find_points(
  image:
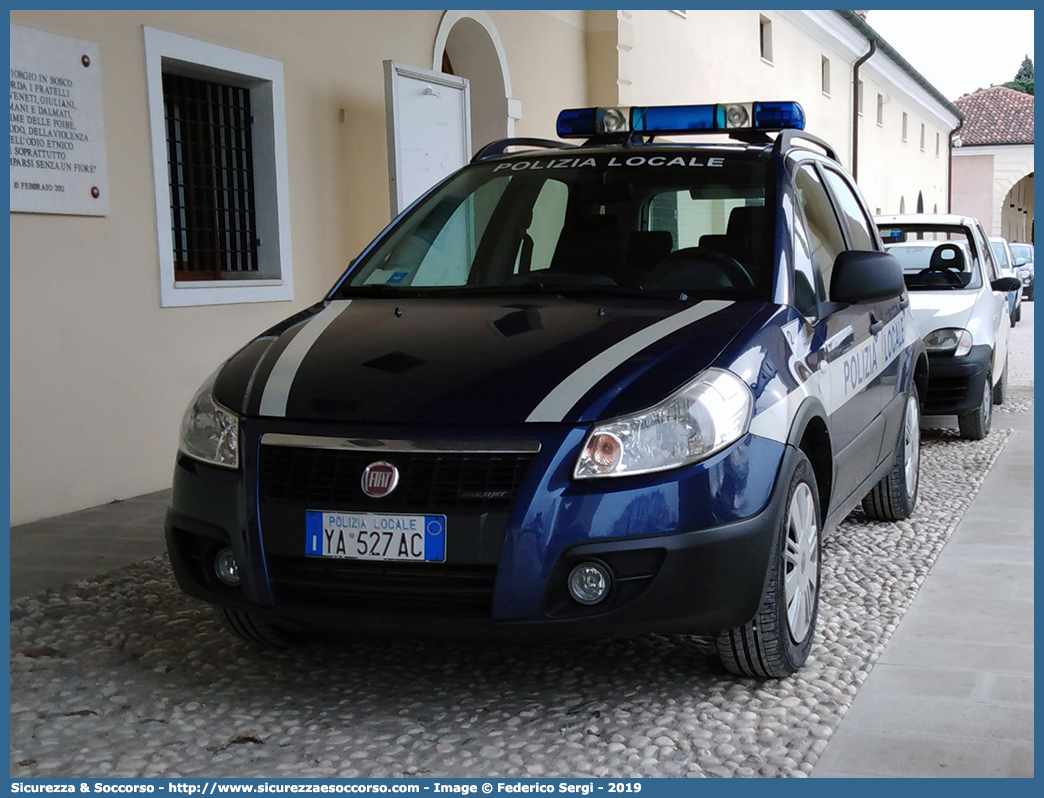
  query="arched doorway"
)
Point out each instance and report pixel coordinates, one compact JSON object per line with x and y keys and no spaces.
{"x":920,"y":202}
{"x":1017,"y":211}
{"x":902,"y":204}
{"x":468,"y":45}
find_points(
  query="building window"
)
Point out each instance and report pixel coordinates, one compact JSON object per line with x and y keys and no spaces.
{"x":922,"y":137}
{"x":220,"y":172}
{"x":905,"y":119}
{"x":859,"y":97}
{"x":765,"y":33}
{"x":825,"y":75}
{"x":937,"y":145}
{"x":880,"y":110}
{"x":210,"y":155}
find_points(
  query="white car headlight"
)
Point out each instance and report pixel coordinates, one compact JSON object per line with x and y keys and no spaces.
{"x":706,"y":415}
{"x":949,"y":341}
{"x":210,"y":432}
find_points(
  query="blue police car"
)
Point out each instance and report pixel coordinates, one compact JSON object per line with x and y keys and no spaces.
{"x":614,"y":387}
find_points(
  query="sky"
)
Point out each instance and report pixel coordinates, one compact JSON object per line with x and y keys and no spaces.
{"x":959,"y":51}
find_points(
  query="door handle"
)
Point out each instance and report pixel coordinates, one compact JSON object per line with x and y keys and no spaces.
{"x":875,"y":325}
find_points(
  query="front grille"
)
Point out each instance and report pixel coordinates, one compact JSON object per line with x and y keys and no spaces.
{"x":330,"y":479}
{"x":416,"y":589}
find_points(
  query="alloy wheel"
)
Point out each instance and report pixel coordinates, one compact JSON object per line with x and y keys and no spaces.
{"x":801,"y":566}
{"x":987,"y":402}
{"x":912,"y":445}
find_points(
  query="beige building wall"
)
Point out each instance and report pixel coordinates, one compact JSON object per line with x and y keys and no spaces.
{"x":892,"y":172}
{"x":100,"y":373}
{"x":725,"y":63}
{"x":973,"y":187}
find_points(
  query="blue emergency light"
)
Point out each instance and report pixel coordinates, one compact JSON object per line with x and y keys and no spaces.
{"x":680,"y":119}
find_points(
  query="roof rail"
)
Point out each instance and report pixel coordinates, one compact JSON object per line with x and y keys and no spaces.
{"x":497,"y":147}
{"x":786,"y":137}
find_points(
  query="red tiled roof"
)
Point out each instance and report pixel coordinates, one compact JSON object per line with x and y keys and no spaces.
{"x":997,"y":115}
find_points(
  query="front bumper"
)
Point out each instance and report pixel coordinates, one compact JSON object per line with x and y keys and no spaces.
{"x":688,"y":550}
{"x":955,"y":384}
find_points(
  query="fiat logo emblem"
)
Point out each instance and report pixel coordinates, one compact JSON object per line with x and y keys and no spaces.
{"x":379,"y":479}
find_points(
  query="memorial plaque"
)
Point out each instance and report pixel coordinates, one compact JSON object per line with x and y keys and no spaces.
{"x":57,"y":129}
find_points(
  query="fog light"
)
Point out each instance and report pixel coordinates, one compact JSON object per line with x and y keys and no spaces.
{"x":226,"y":568}
{"x":589,"y":583}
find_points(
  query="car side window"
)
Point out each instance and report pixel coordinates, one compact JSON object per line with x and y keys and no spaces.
{"x":825,"y":240}
{"x":807,"y":292}
{"x":858,"y":226}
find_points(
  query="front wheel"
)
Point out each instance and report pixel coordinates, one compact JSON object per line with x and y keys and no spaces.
{"x":975,"y":425}
{"x":777,"y":641}
{"x":255,"y":630}
{"x":894,"y":497}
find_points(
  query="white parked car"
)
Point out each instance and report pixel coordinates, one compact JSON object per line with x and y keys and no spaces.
{"x":958,"y":296}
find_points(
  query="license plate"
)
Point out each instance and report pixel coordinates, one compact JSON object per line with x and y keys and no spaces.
{"x":375,"y":536}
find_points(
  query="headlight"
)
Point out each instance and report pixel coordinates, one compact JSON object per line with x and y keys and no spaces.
{"x":702,"y":418}
{"x":210,"y":432}
{"x":949,"y":342}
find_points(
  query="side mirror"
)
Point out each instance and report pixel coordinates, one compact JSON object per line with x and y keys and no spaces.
{"x":1006,"y":284}
{"x":865,"y":276}
{"x":1021,"y":261}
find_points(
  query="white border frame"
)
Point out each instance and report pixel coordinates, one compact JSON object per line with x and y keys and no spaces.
{"x":264,"y":78}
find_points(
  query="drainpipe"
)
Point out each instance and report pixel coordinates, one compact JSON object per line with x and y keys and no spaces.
{"x":949,"y":166}
{"x":855,"y":107}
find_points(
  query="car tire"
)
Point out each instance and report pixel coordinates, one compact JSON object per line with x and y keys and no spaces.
{"x":1012,"y":318}
{"x":894,"y":497}
{"x":975,"y":425}
{"x":1000,"y":390}
{"x":766,"y":647}
{"x":1018,"y":312}
{"x":254,"y":630}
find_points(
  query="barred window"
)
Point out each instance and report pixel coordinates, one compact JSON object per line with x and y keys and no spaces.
{"x":211,"y":166}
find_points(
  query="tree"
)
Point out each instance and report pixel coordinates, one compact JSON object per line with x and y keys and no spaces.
{"x":1023,"y":78}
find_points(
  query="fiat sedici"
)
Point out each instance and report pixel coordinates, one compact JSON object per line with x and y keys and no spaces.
{"x":613,"y":388}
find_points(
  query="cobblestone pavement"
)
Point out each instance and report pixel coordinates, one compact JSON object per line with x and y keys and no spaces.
{"x":125,"y":676}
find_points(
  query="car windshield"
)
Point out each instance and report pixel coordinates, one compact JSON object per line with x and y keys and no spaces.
{"x":680,"y":223}
{"x":1023,"y":251}
{"x":1000,"y":252}
{"x":934,"y":258}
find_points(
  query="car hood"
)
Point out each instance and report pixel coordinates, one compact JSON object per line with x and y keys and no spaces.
{"x":477,"y":360}
{"x":935,"y":310}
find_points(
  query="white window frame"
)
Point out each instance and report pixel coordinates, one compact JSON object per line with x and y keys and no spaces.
{"x":906,"y":121}
{"x":880,"y":109}
{"x":264,"y":78}
{"x":765,"y":39}
{"x":824,"y":75}
{"x":924,"y":134}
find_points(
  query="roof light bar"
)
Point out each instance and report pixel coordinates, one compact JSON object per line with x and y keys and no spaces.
{"x":680,"y":119}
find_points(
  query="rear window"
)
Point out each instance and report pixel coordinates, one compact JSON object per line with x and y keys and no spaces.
{"x":686,"y":222}
{"x":1022,"y":251}
{"x":934,"y":258}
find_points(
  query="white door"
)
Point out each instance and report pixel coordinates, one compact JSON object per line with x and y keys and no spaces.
{"x":429,"y":129}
